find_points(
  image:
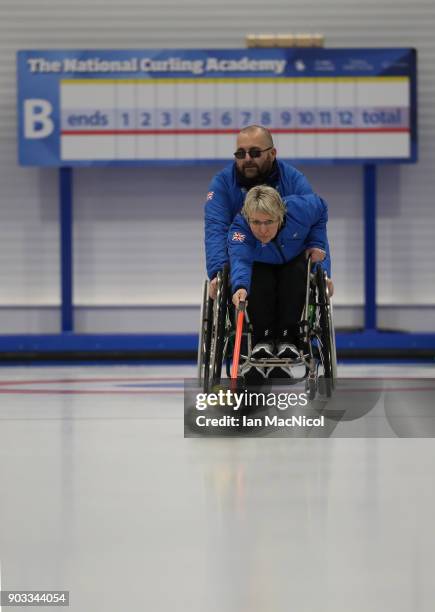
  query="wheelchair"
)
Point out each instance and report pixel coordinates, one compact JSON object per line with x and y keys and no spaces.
{"x":317,"y":354}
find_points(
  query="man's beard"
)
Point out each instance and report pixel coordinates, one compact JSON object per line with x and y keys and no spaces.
{"x":259,"y":179}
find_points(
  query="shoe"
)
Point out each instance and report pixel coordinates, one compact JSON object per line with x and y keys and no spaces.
{"x":263,"y":350}
{"x":255,"y":376}
{"x":281,"y":374}
{"x":285,"y":350}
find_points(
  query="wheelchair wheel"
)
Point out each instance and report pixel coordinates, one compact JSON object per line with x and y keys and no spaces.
{"x":204,"y":341}
{"x":218,"y":329}
{"x":325,"y":335}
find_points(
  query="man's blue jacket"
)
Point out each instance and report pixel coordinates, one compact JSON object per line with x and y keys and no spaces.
{"x":304,"y":227}
{"x":225,"y":199}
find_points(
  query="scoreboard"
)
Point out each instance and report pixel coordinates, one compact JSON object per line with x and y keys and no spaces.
{"x":136,"y":107}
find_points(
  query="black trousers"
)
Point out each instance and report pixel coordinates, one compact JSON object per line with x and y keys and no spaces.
{"x":277,"y":298}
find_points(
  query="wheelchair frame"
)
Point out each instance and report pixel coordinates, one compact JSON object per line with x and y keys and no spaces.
{"x":318,"y":352}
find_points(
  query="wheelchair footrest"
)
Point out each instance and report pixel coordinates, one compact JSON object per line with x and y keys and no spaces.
{"x":275,"y":361}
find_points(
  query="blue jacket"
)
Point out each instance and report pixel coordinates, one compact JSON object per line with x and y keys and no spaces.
{"x":304,"y":227}
{"x":225,"y":199}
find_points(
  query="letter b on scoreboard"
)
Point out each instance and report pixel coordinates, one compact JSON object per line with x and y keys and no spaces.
{"x":37,"y":118}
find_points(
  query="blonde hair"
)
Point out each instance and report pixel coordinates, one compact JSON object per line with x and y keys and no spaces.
{"x":266,"y":200}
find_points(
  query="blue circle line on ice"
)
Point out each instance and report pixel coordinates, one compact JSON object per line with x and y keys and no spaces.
{"x":94,"y":386}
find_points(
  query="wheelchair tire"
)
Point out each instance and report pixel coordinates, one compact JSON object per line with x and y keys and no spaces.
{"x":204,"y":340}
{"x":311,"y":388}
{"x":326,"y":336}
{"x":218,"y":331}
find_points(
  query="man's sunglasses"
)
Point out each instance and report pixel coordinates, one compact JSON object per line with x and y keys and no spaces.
{"x":253,"y":153}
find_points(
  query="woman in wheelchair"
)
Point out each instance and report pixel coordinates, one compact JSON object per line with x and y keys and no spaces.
{"x":269,"y":243}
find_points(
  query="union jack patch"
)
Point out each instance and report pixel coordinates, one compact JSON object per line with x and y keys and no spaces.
{"x":239,"y":237}
{"x":210,"y":195}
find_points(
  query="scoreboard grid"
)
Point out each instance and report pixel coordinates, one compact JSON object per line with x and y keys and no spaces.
{"x":191,"y":119}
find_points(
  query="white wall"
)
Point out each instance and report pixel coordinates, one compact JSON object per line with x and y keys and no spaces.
{"x":138,"y":231}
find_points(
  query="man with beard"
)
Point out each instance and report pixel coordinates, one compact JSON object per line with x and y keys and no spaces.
{"x":255,"y":164}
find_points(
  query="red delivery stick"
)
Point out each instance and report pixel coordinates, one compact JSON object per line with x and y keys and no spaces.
{"x":238,"y":341}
